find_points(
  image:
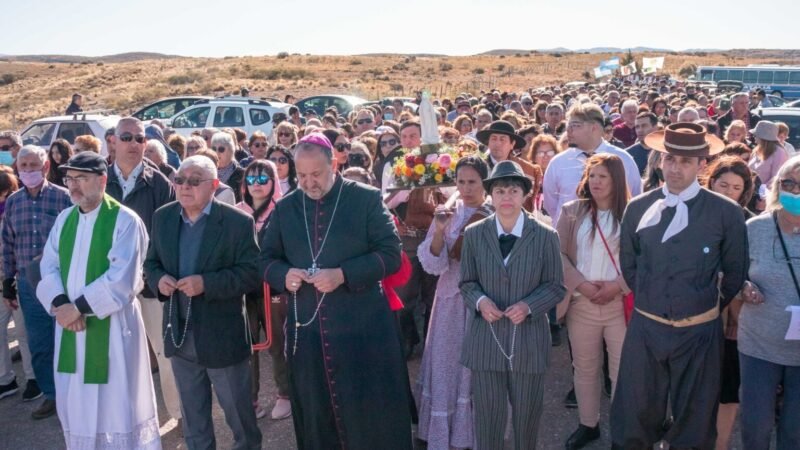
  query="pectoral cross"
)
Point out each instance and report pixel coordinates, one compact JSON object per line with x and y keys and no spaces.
{"x":311,"y":271}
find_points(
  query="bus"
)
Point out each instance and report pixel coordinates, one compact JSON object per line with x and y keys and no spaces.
{"x":782,"y":81}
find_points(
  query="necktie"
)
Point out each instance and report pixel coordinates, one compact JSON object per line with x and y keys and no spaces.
{"x":506,"y":244}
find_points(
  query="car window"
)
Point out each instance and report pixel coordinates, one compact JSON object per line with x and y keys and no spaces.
{"x":39,"y":134}
{"x":342,"y":106}
{"x":192,"y":118}
{"x":318,"y":104}
{"x":259,"y":116}
{"x":163,"y":110}
{"x":228,"y":116}
{"x":70,"y":130}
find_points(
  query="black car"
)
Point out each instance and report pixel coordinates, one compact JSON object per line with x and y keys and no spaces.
{"x":343,"y":103}
{"x":167,"y":107}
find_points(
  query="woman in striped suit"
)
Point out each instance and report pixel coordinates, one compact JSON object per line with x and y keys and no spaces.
{"x":511,"y":275}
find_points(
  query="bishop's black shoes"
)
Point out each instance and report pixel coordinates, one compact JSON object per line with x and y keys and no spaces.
{"x":582,"y":436}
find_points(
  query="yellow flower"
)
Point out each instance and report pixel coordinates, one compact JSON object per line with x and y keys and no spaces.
{"x":419,"y":169}
{"x":438,"y":178}
{"x":453,"y":164}
{"x":435,"y":166}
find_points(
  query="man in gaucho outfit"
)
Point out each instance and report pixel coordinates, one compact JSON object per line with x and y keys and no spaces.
{"x":347,"y":378}
{"x":675,"y":242}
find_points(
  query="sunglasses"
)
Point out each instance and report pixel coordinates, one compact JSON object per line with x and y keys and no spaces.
{"x":257,"y":179}
{"x":284,"y":134}
{"x":259,"y":144}
{"x":342,"y":147}
{"x":5,"y":148}
{"x":193,"y":182}
{"x":363,"y":121}
{"x":127,"y":137}
{"x":389,"y":143}
{"x":280,"y":160}
{"x":356,"y":160}
{"x":220,"y":149}
{"x":527,"y":103}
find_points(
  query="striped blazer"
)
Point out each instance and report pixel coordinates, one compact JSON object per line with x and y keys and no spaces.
{"x":534,"y":275}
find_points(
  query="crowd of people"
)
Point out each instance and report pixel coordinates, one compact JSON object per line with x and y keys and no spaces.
{"x":658,"y":222}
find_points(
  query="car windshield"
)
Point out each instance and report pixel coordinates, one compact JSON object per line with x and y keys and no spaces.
{"x":39,"y":134}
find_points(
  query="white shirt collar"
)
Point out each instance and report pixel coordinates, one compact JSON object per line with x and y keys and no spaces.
{"x":132,"y":176}
{"x":517,"y":231}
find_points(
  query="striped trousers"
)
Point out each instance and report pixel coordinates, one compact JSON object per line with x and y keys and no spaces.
{"x":491,"y":394}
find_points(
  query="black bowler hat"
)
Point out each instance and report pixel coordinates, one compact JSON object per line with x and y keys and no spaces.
{"x":86,"y":162}
{"x":501,"y":127}
{"x":507,"y":169}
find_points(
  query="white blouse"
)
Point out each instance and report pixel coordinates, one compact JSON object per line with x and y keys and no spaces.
{"x":593,"y":260}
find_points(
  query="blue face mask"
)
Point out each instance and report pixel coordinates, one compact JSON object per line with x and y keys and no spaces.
{"x":6,"y":159}
{"x":790,"y":202}
{"x":388,"y":116}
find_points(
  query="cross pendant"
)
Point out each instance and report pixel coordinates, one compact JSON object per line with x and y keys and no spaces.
{"x":311,"y":271}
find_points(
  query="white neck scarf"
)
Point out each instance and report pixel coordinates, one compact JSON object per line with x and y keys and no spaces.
{"x":681,"y":219}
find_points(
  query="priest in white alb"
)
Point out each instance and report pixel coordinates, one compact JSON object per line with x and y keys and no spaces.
{"x":91,"y":271}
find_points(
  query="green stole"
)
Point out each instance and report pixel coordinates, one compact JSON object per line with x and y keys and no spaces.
{"x":97,"y":330}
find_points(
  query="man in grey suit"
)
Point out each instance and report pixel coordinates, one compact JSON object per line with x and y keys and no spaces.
{"x":201,"y":261}
{"x":511,"y":275}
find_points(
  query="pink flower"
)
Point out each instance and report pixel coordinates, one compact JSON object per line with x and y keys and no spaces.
{"x":444,"y":160}
{"x":430,"y":159}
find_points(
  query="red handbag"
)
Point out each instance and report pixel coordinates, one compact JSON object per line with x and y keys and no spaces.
{"x":627,"y":300}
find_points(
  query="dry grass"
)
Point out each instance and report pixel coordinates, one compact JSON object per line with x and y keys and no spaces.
{"x":43,"y":89}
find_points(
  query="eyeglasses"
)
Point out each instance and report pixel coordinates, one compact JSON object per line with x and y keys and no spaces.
{"x":342,"y":147}
{"x":220,"y":149}
{"x":389,"y":143}
{"x":280,"y":160}
{"x":127,"y":137}
{"x":5,"y":148}
{"x":257,"y":179}
{"x":259,"y":144}
{"x":789,"y":185}
{"x":363,"y":121}
{"x":193,"y":182}
{"x":284,"y":134}
{"x":79,"y":179}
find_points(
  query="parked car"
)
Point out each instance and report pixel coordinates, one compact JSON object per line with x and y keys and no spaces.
{"x":249,"y":114}
{"x":43,"y":132}
{"x":167,"y":107}
{"x":343,"y":103}
{"x":789,"y":116}
{"x":792,"y":104}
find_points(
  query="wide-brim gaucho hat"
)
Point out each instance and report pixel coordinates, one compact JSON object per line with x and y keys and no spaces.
{"x":507,"y":169}
{"x":500,"y":127}
{"x":684,"y":139}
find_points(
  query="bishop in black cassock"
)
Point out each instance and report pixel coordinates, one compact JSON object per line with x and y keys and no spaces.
{"x":347,"y":378}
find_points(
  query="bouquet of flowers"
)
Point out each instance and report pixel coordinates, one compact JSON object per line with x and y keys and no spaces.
{"x":415,"y":169}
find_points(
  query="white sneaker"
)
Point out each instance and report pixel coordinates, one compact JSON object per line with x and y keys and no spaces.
{"x":282,"y":409}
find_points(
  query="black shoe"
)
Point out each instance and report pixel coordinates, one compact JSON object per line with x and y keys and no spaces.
{"x":32,"y":391}
{"x":582,"y":436}
{"x":9,"y":389}
{"x":607,"y":387}
{"x":16,"y":356}
{"x":570,"y":401}
{"x":555,"y":335}
{"x":47,"y":409}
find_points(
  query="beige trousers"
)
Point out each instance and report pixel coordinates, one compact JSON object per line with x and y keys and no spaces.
{"x":153,"y":315}
{"x":589,"y":325}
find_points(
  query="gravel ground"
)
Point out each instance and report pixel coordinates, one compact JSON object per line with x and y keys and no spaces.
{"x":19,"y":432}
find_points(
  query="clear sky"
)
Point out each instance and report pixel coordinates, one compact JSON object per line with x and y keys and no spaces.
{"x":266,"y":27}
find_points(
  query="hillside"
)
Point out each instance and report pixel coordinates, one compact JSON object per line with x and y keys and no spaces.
{"x":118,"y":58}
{"x":31,"y":90}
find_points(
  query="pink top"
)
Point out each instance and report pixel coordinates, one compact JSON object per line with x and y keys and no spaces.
{"x":768,"y":168}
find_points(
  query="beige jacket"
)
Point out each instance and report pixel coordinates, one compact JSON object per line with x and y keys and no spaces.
{"x":567,"y":228}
